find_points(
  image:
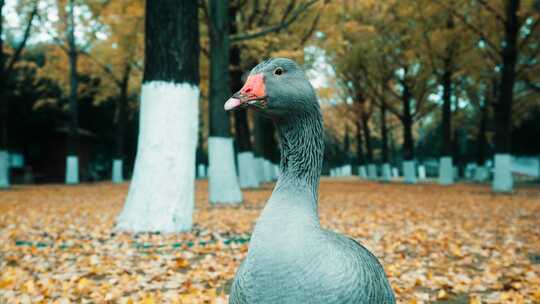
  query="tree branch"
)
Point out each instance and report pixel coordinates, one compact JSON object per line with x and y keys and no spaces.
{"x":22,"y":45}
{"x":492,"y":10}
{"x":471,"y":27}
{"x":274,"y":28}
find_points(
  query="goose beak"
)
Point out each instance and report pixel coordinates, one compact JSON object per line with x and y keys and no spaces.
{"x":253,"y":93}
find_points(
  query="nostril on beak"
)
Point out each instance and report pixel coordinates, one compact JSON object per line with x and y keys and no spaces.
{"x":247,"y":90}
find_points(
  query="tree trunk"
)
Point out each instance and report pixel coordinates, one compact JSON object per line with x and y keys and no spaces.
{"x":447,"y":113}
{"x":409,"y":165}
{"x":446,"y":163}
{"x":503,"y":181}
{"x":247,"y":166}
{"x":408,"y":141}
{"x":385,"y":157}
{"x":481,"y":145}
{"x":223,"y":182}
{"x":266,"y":147}
{"x":161,"y":194}
{"x":359,"y":145}
{"x":72,"y":160}
{"x":121,"y":113}
{"x":367,"y":137}
{"x":3,"y":80}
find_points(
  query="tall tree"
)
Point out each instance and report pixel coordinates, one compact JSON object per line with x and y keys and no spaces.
{"x":7,"y":64}
{"x":506,"y":31}
{"x":124,"y":21}
{"x":161,"y":194}
{"x":223,"y":184}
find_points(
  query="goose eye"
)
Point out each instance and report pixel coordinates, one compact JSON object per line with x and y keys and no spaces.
{"x":278,"y":71}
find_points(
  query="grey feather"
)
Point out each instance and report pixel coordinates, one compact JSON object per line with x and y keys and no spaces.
{"x":291,"y":259}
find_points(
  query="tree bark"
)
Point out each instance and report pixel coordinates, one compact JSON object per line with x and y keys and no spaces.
{"x":407,"y":121}
{"x":242,"y":134}
{"x":72,"y":146}
{"x":162,"y":191}
{"x":384,"y":134}
{"x":219,"y":67}
{"x":121,"y":112}
{"x":367,"y":137}
{"x":503,"y":106}
{"x":481,"y":142}
{"x":3,"y":98}
{"x":447,"y":112}
{"x":359,"y":145}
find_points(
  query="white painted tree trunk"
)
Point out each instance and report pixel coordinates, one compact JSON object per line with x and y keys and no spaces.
{"x":422,"y":172}
{"x":117,"y":171}
{"x":446,"y":171}
{"x":276,"y":171}
{"x":395,"y":172}
{"x":268,"y":170}
{"x":222,"y":180}
{"x":362,"y":172}
{"x":161,"y":193}
{"x":481,"y":174}
{"x":409,"y":171}
{"x":4,"y":169}
{"x":502,"y":179}
{"x":259,"y":163}
{"x":72,"y":170}
{"x":247,"y":170}
{"x":346,"y":170}
{"x":372,"y":171}
{"x":386,"y":172}
{"x":201,"y":171}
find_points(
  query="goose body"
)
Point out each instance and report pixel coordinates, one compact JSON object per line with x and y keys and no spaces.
{"x":291,"y":259}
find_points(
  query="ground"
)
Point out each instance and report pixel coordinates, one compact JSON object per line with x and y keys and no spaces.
{"x":457,"y":244}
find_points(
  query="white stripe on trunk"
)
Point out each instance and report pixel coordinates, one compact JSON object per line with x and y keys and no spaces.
{"x":72,"y":170}
{"x":421,"y":172}
{"x":446,"y":171}
{"x":502,"y":179}
{"x":117,"y":174}
{"x":161,"y":194}
{"x":372,"y":171}
{"x":409,"y":171}
{"x":4,"y":169}
{"x":386,"y":172}
{"x":362,"y":172}
{"x":247,"y":170}
{"x":222,"y":179}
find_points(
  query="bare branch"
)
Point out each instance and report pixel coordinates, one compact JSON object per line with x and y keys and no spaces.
{"x":493,"y":11}
{"x":22,"y":45}
{"x":471,"y":27}
{"x":277,"y":27}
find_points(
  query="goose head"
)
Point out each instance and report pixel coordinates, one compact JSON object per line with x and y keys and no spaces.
{"x":277,"y":88}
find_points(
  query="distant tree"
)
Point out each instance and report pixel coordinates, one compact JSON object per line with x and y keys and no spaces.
{"x":506,"y":32}
{"x":161,"y":194}
{"x":7,"y":65}
{"x":223,"y":184}
{"x":120,"y":66}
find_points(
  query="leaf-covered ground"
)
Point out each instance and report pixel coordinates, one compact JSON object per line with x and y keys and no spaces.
{"x":458,"y":244}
